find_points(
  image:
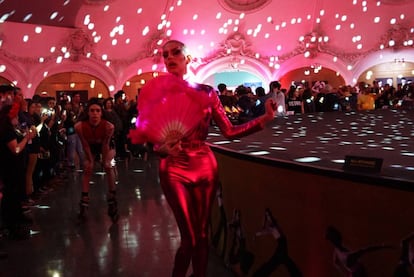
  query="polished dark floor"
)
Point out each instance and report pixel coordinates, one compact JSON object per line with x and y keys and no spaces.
{"x":142,"y":243}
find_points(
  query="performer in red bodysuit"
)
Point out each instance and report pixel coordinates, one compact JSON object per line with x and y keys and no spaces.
{"x":188,"y":168}
{"x":96,"y":135}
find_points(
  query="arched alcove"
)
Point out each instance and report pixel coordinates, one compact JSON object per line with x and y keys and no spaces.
{"x":394,"y":71}
{"x":235,"y":78}
{"x":72,"y":81}
{"x":386,"y":58}
{"x":230,"y":64}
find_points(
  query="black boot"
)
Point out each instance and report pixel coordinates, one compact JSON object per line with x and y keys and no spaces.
{"x":112,"y":207}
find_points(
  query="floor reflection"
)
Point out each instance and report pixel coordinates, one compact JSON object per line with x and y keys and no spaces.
{"x":142,"y":243}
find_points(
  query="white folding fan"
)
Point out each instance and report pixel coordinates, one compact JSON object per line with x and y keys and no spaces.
{"x":169,"y":106}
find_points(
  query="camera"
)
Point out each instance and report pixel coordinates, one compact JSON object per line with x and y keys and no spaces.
{"x":47,"y":112}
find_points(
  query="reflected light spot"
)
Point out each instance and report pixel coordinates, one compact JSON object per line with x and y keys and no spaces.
{"x":32,"y":232}
{"x":339,"y":161}
{"x":42,"y":207}
{"x":222,"y":142}
{"x":307,"y":159}
{"x":27,"y":17}
{"x":259,"y":153}
{"x":56,"y":274}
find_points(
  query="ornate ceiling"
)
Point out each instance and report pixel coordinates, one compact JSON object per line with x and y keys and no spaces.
{"x":268,"y":38}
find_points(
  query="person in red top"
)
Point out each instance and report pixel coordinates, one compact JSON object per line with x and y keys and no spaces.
{"x":96,"y":135}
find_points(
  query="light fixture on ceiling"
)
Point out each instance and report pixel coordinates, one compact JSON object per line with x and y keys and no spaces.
{"x":400,"y":61}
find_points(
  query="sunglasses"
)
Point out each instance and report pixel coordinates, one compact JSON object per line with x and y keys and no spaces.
{"x":174,"y":52}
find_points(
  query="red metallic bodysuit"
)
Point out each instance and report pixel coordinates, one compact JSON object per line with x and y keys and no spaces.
{"x":189,"y":181}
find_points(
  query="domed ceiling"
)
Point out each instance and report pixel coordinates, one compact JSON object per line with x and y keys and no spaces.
{"x":269,"y":37}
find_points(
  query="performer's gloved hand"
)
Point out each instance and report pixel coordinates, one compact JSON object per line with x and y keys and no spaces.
{"x":171,"y":145}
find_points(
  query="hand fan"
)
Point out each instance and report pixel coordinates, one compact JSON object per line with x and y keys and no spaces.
{"x":169,"y":107}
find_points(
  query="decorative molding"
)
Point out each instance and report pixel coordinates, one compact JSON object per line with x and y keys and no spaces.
{"x":235,"y":48}
{"x":235,"y":45}
{"x":23,"y":60}
{"x":312,"y":44}
{"x":351,"y":58}
{"x":399,"y":34}
{"x":79,"y":43}
{"x":246,"y":6}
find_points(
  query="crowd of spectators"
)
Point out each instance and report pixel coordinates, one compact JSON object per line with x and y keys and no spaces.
{"x":39,"y":145}
{"x":243,"y":103}
{"x":45,"y":144}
